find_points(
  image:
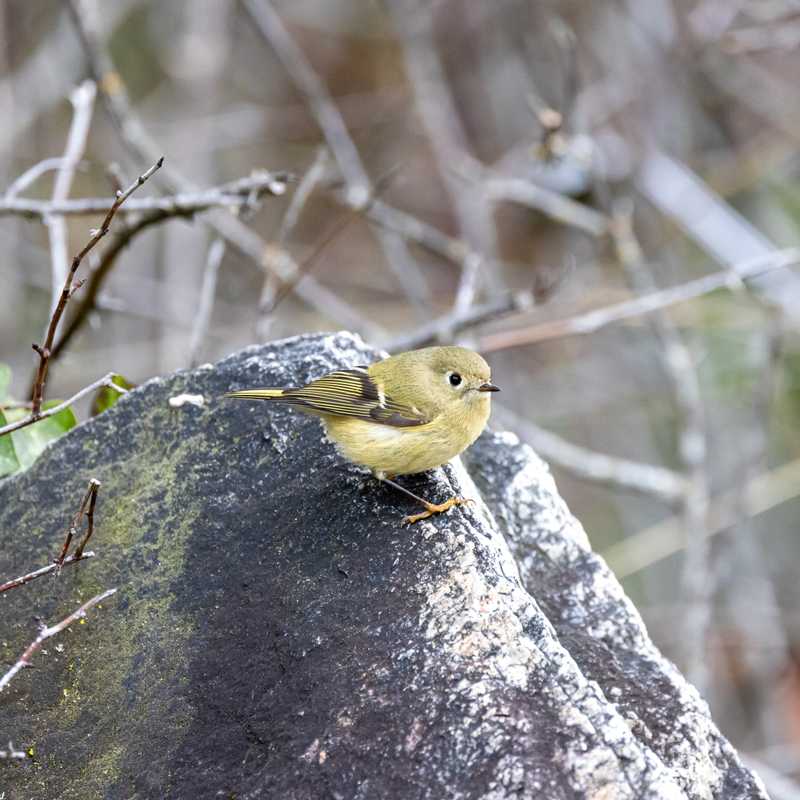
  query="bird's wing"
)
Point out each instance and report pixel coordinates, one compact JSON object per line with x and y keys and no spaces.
{"x":353,"y":393}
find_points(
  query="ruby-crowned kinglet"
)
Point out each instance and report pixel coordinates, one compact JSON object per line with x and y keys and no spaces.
{"x":408,"y":413}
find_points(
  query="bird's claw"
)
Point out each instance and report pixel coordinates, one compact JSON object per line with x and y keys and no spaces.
{"x":437,"y":508}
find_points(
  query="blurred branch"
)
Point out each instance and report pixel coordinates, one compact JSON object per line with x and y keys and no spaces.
{"x":592,"y":321}
{"x":716,"y":226}
{"x":47,"y":632}
{"x":558,"y":207}
{"x":359,"y":191}
{"x":330,"y":121}
{"x":659,"y":541}
{"x":139,"y":145}
{"x":238,"y":193}
{"x":311,"y":179}
{"x":444,"y":328}
{"x":648,"y":479}
{"x":45,"y":350}
{"x":12,"y":753}
{"x":82,"y":100}
{"x":691,"y":446}
{"x":207,"y":291}
{"x":442,"y":121}
{"x":31,"y":175}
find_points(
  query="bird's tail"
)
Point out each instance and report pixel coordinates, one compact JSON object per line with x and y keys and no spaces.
{"x":259,"y":394}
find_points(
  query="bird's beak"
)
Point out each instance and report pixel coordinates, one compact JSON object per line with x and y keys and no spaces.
{"x":488,"y":387}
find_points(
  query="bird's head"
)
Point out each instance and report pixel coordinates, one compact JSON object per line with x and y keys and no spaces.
{"x":451,"y":375}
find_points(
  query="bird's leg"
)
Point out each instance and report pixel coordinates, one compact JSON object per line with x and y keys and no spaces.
{"x":430,"y":508}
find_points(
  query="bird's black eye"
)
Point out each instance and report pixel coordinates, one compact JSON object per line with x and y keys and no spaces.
{"x":455,"y":379}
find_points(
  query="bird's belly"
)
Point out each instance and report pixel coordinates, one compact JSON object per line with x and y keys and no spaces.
{"x":390,"y":450}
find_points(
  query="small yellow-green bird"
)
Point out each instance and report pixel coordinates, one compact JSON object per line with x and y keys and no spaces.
{"x":408,"y":413}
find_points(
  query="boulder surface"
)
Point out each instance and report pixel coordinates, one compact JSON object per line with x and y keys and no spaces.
{"x":279,"y":633}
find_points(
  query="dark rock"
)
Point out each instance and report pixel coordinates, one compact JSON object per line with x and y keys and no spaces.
{"x":279,"y":634}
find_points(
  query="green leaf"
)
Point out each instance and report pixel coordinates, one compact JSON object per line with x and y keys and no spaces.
{"x":31,"y":440}
{"x":106,"y":397}
{"x":5,"y":381}
{"x":8,"y":456}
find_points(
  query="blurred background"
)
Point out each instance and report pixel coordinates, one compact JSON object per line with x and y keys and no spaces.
{"x":601,"y":197}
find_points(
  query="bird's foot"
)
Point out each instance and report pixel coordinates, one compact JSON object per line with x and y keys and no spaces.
{"x":437,"y":508}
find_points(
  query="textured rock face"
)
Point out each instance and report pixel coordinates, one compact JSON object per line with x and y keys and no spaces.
{"x":279,"y":634}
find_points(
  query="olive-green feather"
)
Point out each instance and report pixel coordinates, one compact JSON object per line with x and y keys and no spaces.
{"x":346,"y":393}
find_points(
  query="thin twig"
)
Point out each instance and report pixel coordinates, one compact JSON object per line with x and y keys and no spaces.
{"x":87,"y":509}
{"x":31,"y":175}
{"x":72,"y":530}
{"x":106,"y":380}
{"x":207,"y":291}
{"x":44,"y":350}
{"x":350,"y":214}
{"x":648,"y":479}
{"x":444,"y":328}
{"x":651,"y":545}
{"x":90,"y":295}
{"x":449,"y":143}
{"x":141,"y":147}
{"x":38,"y":573}
{"x":592,"y":321}
{"x":228,"y":195}
{"x":691,"y":446}
{"x":359,"y":191}
{"x":294,"y":61}
{"x":558,"y":207}
{"x":312,"y":177}
{"x":82,"y":100}
{"x":46,"y":632}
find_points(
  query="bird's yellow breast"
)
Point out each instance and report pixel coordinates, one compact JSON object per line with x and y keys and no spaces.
{"x":389,"y":450}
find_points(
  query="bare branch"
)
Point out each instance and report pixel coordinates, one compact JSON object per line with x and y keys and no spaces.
{"x":444,"y":328}
{"x":87,"y":509}
{"x":590,"y":465}
{"x":312,"y":177}
{"x":141,"y":147}
{"x":442,"y":121}
{"x":47,"y":632}
{"x":235,"y":194}
{"x":558,"y":207}
{"x":106,"y":380}
{"x":715,"y":226}
{"x":31,"y":175}
{"x":691,"y":446}
{"x":592,"y":321}
{"x":89,"y":297}
{"x":305,"y":188}
{"x":294,"y":61}
{"x":68,"y":289}
{"x":82,"y":100}
{"x":665,"y":538}
{"x":38,"y":573}
{"x":207,"y":291}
